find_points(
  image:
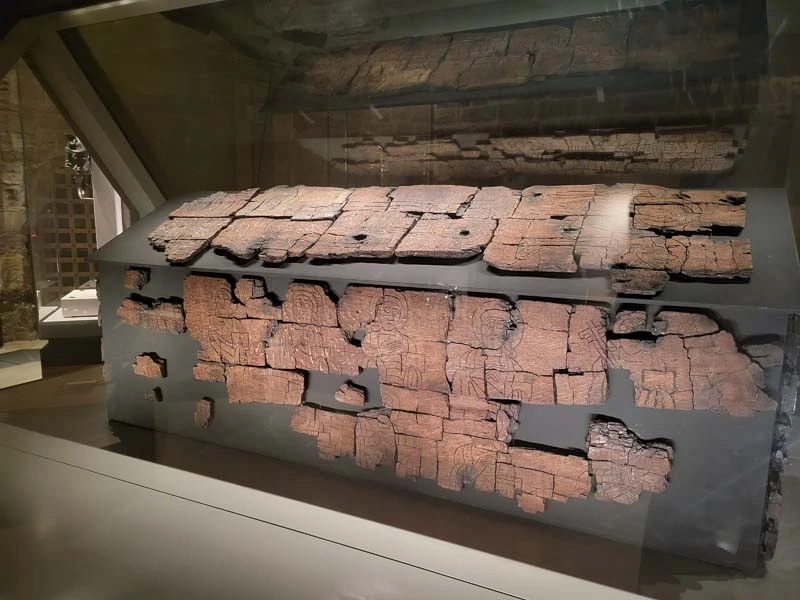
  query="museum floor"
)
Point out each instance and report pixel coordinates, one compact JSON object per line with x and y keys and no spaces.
{"x":69,"y":403}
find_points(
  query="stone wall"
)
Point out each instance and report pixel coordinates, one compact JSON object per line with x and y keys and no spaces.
{"x":18,"y":313}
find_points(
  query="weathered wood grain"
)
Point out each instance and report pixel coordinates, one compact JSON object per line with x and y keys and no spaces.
{"x":136,"y":278}
{"x":350,"y":394}
{"x":493,"y":203}
{"x":252,"y":292}
{"x":447,"y":238}
{"x":209,"y":371}
{"x":273,"y":240}
{"x":375,"y":440}
{"x":150,"y":365}
{"x":162,"y":315}
{"x":626,"y":229}
{"x":313,"y":348}
{"x":269,"y":386}
{"x":218,"y":204}
{"x":689,"y":364}
{"x":358,"y":306}
{"x":220,"y":325}
{"x":624,"y":466}
{"x":334,"y":431}
{"x":369,"y":199}
{"x":542,"y":245}
{"x":203,"y":413}
{"x":424,"y":402}
{"x":432,"y":199}
{"x":182,"y":239}
{"x":299,"y":203}
{"x":308,"y":303}
{"x":362,"y":234}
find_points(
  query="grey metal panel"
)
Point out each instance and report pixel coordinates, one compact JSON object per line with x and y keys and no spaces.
{"x":103,"y":525}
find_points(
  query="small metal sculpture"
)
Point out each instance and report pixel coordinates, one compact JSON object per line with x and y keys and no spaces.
{"x":80,"y":164}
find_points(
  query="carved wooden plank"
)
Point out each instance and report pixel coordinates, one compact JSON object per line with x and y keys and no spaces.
{"x":534,"y":245}
{"x":630,"y":321}
{"x":203,"y":413}
{"x":362,"y":234}
{"x":350,"y":394}
{"x":406,"y":339}
{"x":150,"y":365}
{"x":162,"y":316}
{"x":274,"y":240}
{"x":417,"y":425}
{"x":691,"y":365}
{"x":419,"y":315}
{"x":252,"y":292}
{"x":587,"y":340}
{"x":670,"y":322}
{"x":482,"y":418}
{"x":492,"y":203}
{"x":624,"y":466}
{"x":209,"y":371}
{"x":183,"y":239}
{"x":220,"y":325}
{"x":541,"y":202}
{"x":136,"y":278}
{"x":685,"y":217}
{"x":640,"y":282}
{"x":269,"y":386}
{"x":705,"y":257}
{"x":540,"y":476}
{"x":218,"y":204}
{"x":522,"y":368}
{"x":424,"y":402}
{"x":308,"y":303}
{"x":416,"y":457}
{"x":357,"y":307}
{"x":432,"y":199}
{"x":480,"y":322}
{"x":466,"y":370}
{"x":581,"y":388}
{"x":725,"y":379}
{"x":551,"y":229}
{"x":447,"y":238}
{"x":375,"y":440}
{"x":369,"y":199}
{"x":335,"y":432}
{"x":653,"y":194}
{"x":299,"y":203}
{"x":313,"y":348}
{"x":463,"y":459}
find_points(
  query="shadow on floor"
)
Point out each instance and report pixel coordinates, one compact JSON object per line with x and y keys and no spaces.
{"x":69,"y":403}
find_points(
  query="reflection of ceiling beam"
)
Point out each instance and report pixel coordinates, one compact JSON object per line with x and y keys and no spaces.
{"x":62,"y":77}
{"x":503,"y":13}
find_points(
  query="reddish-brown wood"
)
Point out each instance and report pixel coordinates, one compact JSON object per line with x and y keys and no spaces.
{"x":150,"y":365}
{"x":218,"y":204}
{"x":136,"y":278}
{"x":623,"y":466}
{"x":270,"y":386}
{"x":163,"y":316}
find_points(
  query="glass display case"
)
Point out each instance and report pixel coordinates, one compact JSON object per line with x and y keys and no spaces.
{"x":538,"y":258}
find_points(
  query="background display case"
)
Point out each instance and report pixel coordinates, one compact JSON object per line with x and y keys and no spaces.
{"x":537,"y":259}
